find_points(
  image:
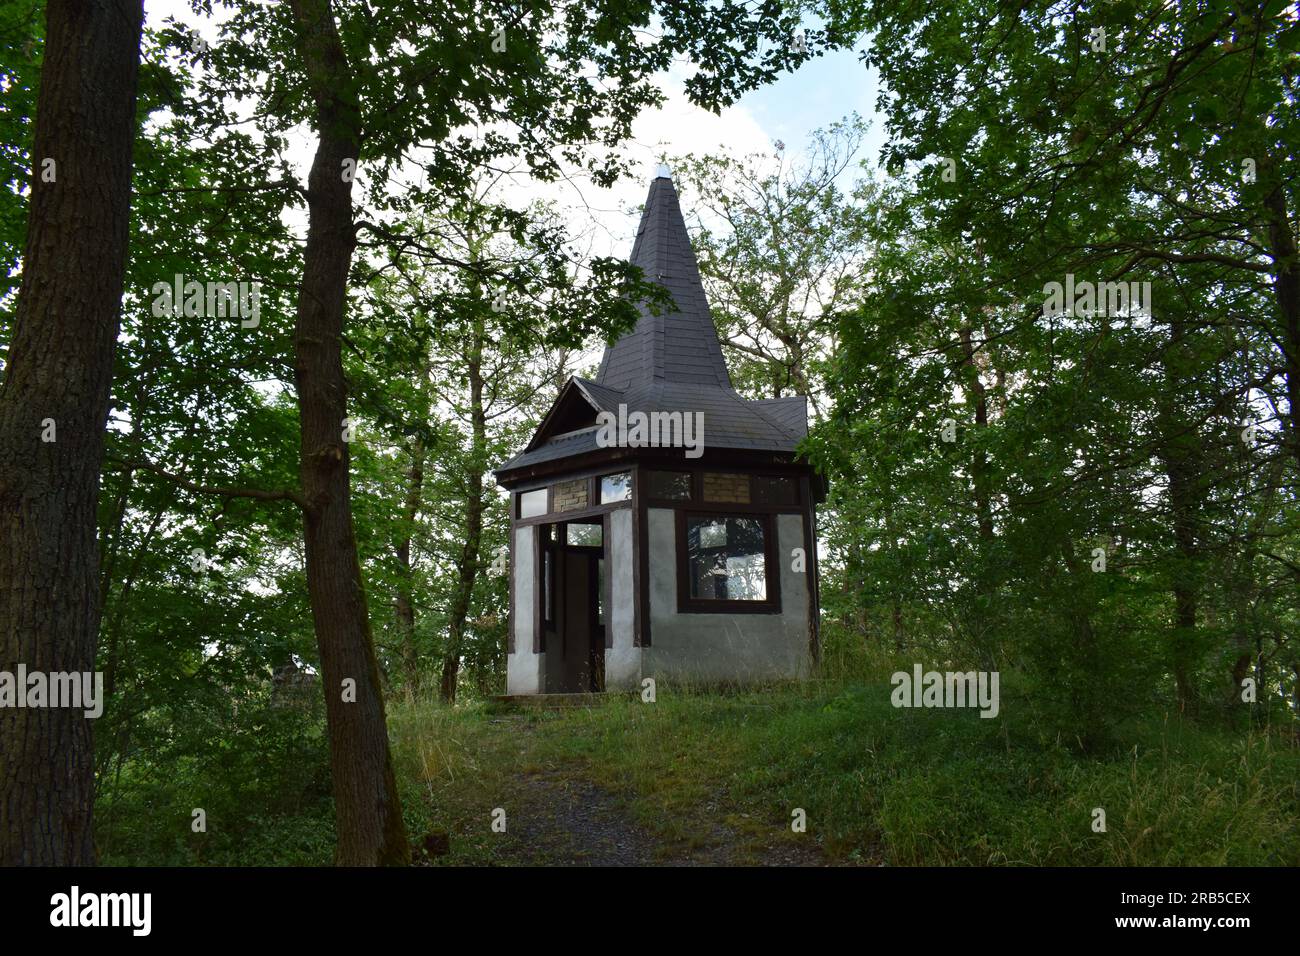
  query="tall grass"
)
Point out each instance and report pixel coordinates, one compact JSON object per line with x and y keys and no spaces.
{"x":880,"y":785}
{"x":702,"y":769}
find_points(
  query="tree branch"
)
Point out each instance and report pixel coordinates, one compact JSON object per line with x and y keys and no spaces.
{"x":256,"y":494}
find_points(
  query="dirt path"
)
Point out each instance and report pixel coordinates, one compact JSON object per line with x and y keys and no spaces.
{"x":565,"y":820}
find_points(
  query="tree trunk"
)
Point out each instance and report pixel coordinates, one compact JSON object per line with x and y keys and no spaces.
{"x":404,"y":604}
{"x":366,"y":805}
{"x":895,"y":600}
{"x":1181,"y":455}
{"x":981,"y":621}
{"x":468,"y":563}
{"x":1286,"y":290}
{"x":60,"y":367}
{"x":979,"y":462}
{"x":1085,"y":687}
{"x":1184,"y":586}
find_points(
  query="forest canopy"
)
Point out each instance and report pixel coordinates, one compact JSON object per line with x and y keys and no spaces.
{"x":261,"y":356}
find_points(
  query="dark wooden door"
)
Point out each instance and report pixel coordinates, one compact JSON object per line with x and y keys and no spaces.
{"x":582,"y":639}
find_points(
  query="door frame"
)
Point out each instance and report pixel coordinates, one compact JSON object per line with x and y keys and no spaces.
{"x":595,"y":629}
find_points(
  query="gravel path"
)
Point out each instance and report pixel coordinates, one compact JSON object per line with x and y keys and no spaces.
{"x":568,"y":821}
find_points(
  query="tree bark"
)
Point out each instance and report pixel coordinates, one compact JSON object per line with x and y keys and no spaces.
{"x":1181,"y":455}
{"x":404,"y":605}
{"x":468,"y":563}
{"x":979,"y":461}
{"x":367,"y":810}
{"x":60,"y":367}
{"x":1286,"y":290}
{"x":1185,"y":589}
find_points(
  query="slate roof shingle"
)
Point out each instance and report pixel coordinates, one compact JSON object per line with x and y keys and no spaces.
{"x":673,"y":362}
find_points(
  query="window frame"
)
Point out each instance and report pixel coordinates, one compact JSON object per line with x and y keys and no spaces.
{"x":697,"y":501}
{"x":519,"y":504}
{"x":771,"y":567}
{"x":599,"y":487}
{"x":691,"y":499}
{"x":793,"y":486}
{"x":600,"y":525}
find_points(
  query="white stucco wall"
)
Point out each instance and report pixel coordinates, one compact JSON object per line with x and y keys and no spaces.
{"x":622,"y":660}
{"x":524,"y":669}
{"x":725,"y":647}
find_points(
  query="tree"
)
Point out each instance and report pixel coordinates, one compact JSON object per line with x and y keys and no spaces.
{"x":480,"y":359}
{"x":782,"y":245}
{"x":546,"y":82}
{"x":53,"y":407}
{"x":1098,"y":146}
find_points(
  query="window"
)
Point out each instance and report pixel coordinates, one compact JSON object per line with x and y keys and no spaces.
{"x":583,"y":535}
{"x":775,"y":491}
{"x":616,"y":487}
{"x":532,"y":503}
{"x":727,"y":559}
{"x":670,"y":485}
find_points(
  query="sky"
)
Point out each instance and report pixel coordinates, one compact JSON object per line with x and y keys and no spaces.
{"x":822,"y":91}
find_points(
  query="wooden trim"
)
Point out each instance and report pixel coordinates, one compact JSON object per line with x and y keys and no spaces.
{"x":585,"y":469}
{"x":560,"y":574}
{"x":517,"y":503}
{"x":771,"y":570}
{"x":547,"y":550}
{"x":594,"y":467}
{"x":543,"y":433}
{"x":812,"y":572}
{"x":617,"y":458}
{"x":577,"y":514}
{"x":798,"y":474}
{"x":604,"y":473}
{"x":737,"y":507}
{"x":595,"y":643}
{"x":534,"y":441}
{"x":539,"y":634}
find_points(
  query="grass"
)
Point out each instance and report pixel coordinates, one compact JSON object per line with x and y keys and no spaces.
{"x":716,"y":776}
{"x":878,"y":785}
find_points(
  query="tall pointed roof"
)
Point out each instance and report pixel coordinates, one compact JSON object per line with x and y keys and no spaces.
{"x":667,"y":363}
{"x":680,"y":346}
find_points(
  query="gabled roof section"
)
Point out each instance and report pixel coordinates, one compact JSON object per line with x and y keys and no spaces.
{"x":680,"y":346}
{"x":602,"y":399}
{"x":575,"y":408}
{"x":668,"y":363}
